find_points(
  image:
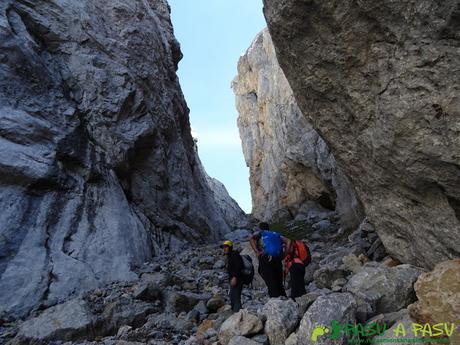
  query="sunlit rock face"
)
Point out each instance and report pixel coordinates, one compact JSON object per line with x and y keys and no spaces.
{"x":290,"y":164}
{"x":380,"y":81}
{"x":98,"y":169}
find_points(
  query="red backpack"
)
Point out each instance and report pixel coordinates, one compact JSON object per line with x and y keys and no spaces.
{"x":301,"y":251}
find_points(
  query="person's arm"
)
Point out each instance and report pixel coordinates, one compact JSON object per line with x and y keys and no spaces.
{"x":287,"y":245}
{"x":253,"y":241}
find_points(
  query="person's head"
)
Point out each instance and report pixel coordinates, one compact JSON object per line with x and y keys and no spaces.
{"x":227,"y":246}
{"x":263,"y":226}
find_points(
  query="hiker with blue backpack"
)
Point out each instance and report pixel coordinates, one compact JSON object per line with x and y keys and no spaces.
{"x":240,"y":272}
{"x":269,"y":248}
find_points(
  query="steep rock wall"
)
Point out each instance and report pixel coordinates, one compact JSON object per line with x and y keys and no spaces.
{"x":98,"y":169}
{"x":379,"y":80}
{"x":290,"y":164}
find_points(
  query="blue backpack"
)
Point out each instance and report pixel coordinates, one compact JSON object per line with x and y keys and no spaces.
{"x":273,"y":244}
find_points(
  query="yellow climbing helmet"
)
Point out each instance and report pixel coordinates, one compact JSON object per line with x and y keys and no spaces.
{"x":227,"y":243}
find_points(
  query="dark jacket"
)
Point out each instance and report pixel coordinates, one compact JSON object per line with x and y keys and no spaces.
{"x":234,"y":264}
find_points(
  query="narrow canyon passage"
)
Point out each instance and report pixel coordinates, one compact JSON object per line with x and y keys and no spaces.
{"x":347,"y":115}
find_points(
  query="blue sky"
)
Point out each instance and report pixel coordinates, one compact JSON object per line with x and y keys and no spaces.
{"x":213,"y":35}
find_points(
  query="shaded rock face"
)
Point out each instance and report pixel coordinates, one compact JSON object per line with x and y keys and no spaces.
{"x":98,"y":169}
{"x":379,"y":80}
{"x":290,"y":164}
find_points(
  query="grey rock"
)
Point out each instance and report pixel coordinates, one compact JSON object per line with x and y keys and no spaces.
{"x":325,"y":276}
{"x":291,"y":340}
{"x":75,"y":320}
{"x":383,"y":92}
{"x":210,"y":333}
{"x":123,"y":330}
{"x":389,"y":318}
{"x":121,"y":312}
{"x":310,"y":271}
{"x":239,"y":235}
{"x":351,"y":263}
{"x":305,"y":301}
{"x":366,"y":227}
{"x":68,"y":321}
{"x":261,"y":339}
{"x":239,"y":340}
{"x":379,"y":253}
{"x":193,"y":315}
{"x":340,"y":307}
{"x":374,"y":248}
{"x":282,"y":317}
{"x":219,"y":264}
{"x":215,"y":303}
{"x":381,"y":289}
{"x":147,"y":292}
{"x":161,"y":279}
{"x":408,"y":337}
{"x":98,"y":168}
{"x":290,"y":164}
{"x":181,"y":301}
{"x":321,"y":225}
{"x":336,"y":288}
{"x":201,"y":307}
{"x":223,"y":315}
{"x":241,"y":323}
{"x":338,"y":284}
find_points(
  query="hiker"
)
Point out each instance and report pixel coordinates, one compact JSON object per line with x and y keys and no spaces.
{"x":297,"y":257}
{"x":234,"y":267}
{"x":268,"y":246}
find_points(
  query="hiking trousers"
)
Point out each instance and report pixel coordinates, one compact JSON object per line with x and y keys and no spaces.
{"x":271,"y":271}
{"x":235,"y":296}
{"x":297,"y":273}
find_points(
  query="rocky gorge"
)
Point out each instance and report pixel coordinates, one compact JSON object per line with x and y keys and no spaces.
{"x":182,"y":299}
{"x":98,"y":169}
{"x":110,"y":226}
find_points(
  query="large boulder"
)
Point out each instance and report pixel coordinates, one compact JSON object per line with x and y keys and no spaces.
{"x":282,"y":317}
{"x":402,"y":332}
{"x":181,"y":301}
{"x":325,"y":276}
{"x":438,"y":294}
{"x":98,"y":167}
{"x":338,"y":307}
{"x":77,"y":319}
{"x":68,"y":321}
{"x":241,"y":323}
{"x":379,"y":80}
{"x":382,"y":289}
{"x":289,"y":163}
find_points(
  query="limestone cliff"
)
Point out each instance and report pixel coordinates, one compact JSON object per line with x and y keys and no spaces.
{"x":290,"y":164}
{"x":380,"y":82}
{"x":98,"y":169}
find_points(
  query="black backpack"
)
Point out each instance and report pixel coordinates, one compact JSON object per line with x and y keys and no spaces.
{"x":248,"y":270}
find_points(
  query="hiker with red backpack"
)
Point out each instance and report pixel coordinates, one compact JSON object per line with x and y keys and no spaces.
{"x":297,"y":257}
{"x":268,"y":246}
